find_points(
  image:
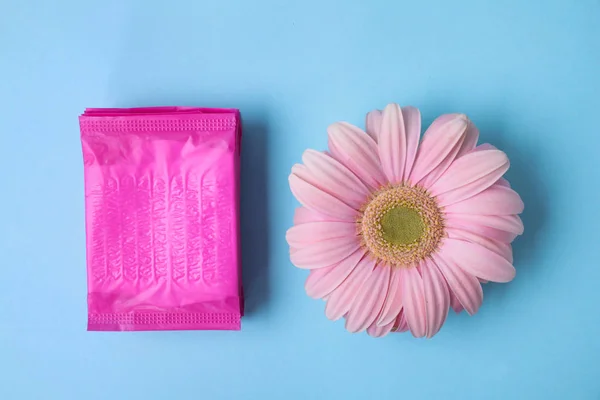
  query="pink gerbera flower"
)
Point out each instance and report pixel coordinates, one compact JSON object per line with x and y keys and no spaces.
{"x":394,"y":230}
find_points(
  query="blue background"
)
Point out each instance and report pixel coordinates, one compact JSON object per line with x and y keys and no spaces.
{"x":527,"y":73}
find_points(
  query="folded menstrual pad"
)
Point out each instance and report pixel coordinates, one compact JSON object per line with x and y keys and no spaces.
{"x":162,"y":218}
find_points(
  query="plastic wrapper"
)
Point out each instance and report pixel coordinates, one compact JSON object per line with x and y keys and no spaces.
{"x":162,"y":219}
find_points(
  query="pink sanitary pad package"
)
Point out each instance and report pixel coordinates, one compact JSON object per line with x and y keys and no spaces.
{"x":162,"y":223}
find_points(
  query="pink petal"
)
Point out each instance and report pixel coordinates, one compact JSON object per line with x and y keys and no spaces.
{"x":357,"y":151}
{"x":436,"y":173}
{"x":316,"y":276}
{"x":495,"y":200}
{"x":325,"y":253}
{"x":460,"y":184}
{"x":464,"y":192}
{"x":455,"y":304}
{"x":323,"y":183}
{"x":471,"y":137}
{"x":322,"y":281}
{"x":312,"y":232}
{"x":303,"y":215}
{"x":413,"y":299}
{"x":412,"y":127}
{"x":369,"y":300}
{"x":488,"y":165}
{"x":336,"y":178}
{"x":400,"y":325}
{"x":478,"y":261}
{"x":380,"y":331}
{"x":465,"y":287}
{"x":393,"y":301}
{"x":317,"y":200}
{"x":392,"y":143}
{"x":500,"y":248}
{"x":373,"y":124}
{"x":437,"y":297}
{"x":341,"y":299}
{"x":507,"y":223}
{"x":439,"y":146}
{"x":485,"y":146}
{"x":480,"y":230}
{"x":503,"y":182}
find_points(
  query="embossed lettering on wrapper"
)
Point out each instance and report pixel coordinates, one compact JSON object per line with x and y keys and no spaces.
{"x":162,"y":223}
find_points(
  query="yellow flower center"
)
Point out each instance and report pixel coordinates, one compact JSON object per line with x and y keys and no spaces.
{"x":401,"y":225}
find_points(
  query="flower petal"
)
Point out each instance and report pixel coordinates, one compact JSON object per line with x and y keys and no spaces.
{"x":373,"y":124}
{"x":357,"y":151}
{"x":312,"y":232}
{"x":478,"y":261}
{"x":303,"y":215}
{"x":392,"y":143}
{"x":379,"y":331}
{"x":503,"y":182}
{"x":495,"y":200}
{"x":439,"y":146}
{"x":412,"y":127}
{"x":470,"y":175}
{"x":322,"y":281}
{"x":481,"y":230}
{"x":437,"y":297}
{"x":323,"y":183}
{"x":369,"y":300}
{"x":500,"y":248}
{"x":471,"y":137}
{"x":325,"y":253}
{"x":338,"y":179}
{"x":507,"y":223}
{"x":475,"y":166}
{"x":400,"y":325}
{"x":317,"y":200}
{"x":465,"y":287}
{"x":413,"y":300}
{"x":393,"y":301}
{"x":485,"y":146}
{"x":341,"y":299}
{"x":455,"y":303}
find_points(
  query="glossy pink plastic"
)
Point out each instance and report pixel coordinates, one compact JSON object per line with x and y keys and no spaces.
{"x":162,"y":223}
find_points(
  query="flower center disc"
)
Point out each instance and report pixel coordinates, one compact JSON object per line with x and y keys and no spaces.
{"x":402,"y":225}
